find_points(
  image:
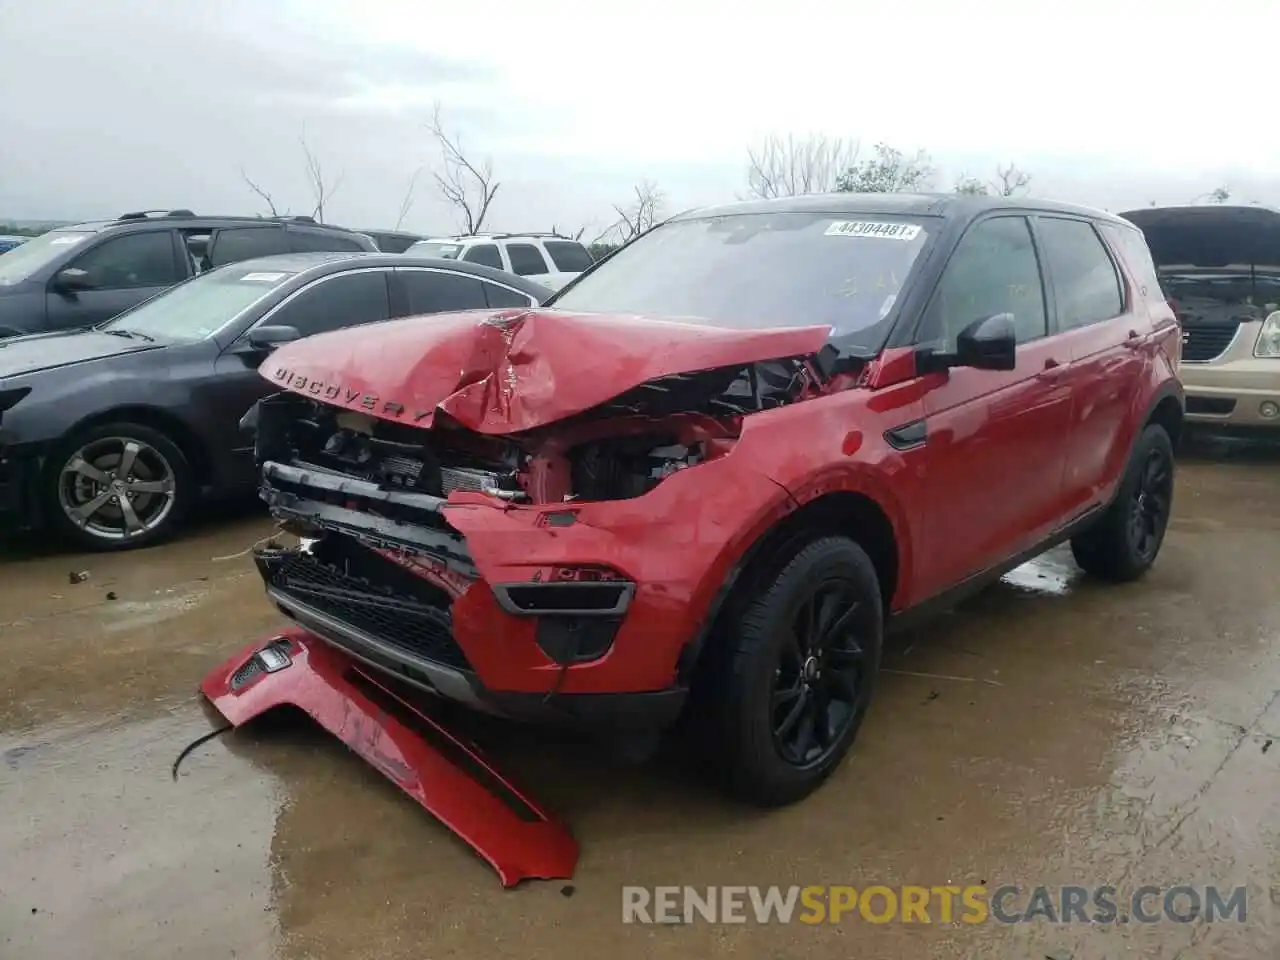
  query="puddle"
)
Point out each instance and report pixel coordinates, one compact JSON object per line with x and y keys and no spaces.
{"x":1050,"y":574}
{"x":105,"y":855}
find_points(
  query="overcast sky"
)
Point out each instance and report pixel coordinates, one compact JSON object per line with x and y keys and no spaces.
{"x":119,"y":104}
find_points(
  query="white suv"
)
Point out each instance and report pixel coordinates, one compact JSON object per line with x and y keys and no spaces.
{"x":546,"y":258}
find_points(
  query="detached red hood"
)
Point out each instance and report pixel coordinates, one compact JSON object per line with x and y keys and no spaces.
{"x":514,"y":370}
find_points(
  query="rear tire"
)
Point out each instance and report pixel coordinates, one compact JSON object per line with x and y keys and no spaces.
{"x":792,"y":681}
{"x":118,"y":486}
{"x":1125,"y":542}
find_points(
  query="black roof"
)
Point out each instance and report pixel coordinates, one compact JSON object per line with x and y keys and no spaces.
{"x":949,"y":205}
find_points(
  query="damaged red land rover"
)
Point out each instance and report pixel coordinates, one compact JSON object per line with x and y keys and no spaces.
{"x":713,"y":470}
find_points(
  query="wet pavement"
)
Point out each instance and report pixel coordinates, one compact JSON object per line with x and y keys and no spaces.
{"x":1053,"y":731}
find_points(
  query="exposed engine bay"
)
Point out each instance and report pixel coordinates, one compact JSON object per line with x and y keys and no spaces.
{"x":617,"y":451}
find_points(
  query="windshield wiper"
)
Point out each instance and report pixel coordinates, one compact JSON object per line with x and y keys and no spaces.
{"x":130,"y":334}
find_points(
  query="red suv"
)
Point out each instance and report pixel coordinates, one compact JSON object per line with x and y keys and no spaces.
{"x":712,"y":471}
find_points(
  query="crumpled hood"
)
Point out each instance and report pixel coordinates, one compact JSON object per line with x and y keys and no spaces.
{"x":515,"y":370}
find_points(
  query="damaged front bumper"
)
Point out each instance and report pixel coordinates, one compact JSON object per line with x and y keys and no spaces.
{"x":447,"y":776}
{"x":400,"y":590}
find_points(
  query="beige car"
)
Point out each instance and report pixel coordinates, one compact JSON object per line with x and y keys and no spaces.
{"x":1220,"y":268}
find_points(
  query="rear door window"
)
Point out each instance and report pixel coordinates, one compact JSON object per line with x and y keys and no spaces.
{"x":431,"y":291}
{"x":568,"y":256}
{"x":526,"y":259}
{"x":1085,"y":283}
{"x":485,"y":254}
{"x":246,"y":243}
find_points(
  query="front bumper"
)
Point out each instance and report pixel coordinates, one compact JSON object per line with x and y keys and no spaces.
{"x":19,"y":488}
{"x":480,"y":618}
{"x":1235,"y":390}
{"x":447,"y":776}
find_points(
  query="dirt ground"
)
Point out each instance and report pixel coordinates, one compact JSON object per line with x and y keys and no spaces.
{"x":1053,"y":731}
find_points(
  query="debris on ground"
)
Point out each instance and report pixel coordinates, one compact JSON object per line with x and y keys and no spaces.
{"x":79,"y":576}
{"x":111,"y":595}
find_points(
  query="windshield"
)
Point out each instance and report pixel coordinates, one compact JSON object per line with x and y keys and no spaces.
{"x":25,"y":259}
{"x":441,"y":249}
{"x":753,"y":271}
{"x":200,"y":307}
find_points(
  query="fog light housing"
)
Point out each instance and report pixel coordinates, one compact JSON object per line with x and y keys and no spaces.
{"x":1269,"y":409}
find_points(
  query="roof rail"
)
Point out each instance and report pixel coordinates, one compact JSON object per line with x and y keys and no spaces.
{"x":510,"y":235}
{"x":148,"y":214}
{"x":297,"y":219}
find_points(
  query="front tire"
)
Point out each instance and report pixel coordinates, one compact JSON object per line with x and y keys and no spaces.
{"x":118,"y":486}
{"x":796,"y":676}
{"x":1125,"y":542}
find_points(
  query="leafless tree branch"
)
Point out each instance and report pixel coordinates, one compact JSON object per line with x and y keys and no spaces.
{"x":407,"y":203}
{"x":262,"y":194}
{"x":789,"y":167}
{"x":1010,"y":180}
{"x":638,"y":216}
{"x":468,"y":186}
{"x":315,"y":175}
{"x":576,"y":236}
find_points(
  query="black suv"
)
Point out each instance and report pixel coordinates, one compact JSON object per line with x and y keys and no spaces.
{"x":81,"y":275}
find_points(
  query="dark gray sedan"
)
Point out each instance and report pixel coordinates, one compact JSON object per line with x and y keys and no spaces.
{"x":109,"y":435}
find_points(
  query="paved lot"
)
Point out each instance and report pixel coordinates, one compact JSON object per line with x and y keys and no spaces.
{"x":1054,"y":731}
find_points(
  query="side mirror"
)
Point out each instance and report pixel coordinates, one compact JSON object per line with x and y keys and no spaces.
{"x":989,"y":344}
{"x":262,"y":340}
{"x":72,"y":279}
{"x":268,"y":338}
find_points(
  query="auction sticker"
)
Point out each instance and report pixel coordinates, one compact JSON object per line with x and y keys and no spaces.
{"x":877,"y":229}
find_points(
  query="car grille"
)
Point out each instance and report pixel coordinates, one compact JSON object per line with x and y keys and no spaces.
{"x":1208,"y":341}
{"x":378,"y":605}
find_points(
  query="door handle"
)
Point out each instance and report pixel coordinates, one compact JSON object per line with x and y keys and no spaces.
{"x":1053,"y":369}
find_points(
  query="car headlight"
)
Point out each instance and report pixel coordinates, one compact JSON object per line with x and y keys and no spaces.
{"x":1268,"y":344}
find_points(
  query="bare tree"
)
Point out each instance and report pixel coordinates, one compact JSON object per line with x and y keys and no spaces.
{"x":320,"y":192}
{"x":1007,"y":183}
{"x":407,"y":203}
{"x":889,"y":171}
{"x":262,"y":194}
{"x":576,"y":236}
{"x":638,"y":216}
{"x":1010,"y":180}
{"x":789,"y":167}
{"x":467,"y":185}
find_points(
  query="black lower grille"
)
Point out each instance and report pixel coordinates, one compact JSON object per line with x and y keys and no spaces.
{"x":357,"y":587}
{"x":1208,"y":341}
{"x":1218,"y":406}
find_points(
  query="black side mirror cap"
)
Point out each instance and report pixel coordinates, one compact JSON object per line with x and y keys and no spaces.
{"x":987,"y":344}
